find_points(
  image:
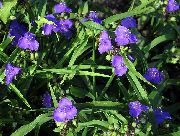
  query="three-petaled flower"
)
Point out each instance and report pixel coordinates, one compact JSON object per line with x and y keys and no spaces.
{"x":65,"y":111}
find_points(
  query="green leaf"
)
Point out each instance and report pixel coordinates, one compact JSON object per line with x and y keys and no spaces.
{"x":172,"y":134}
{"x":55,"y":102}
{"x":92,"y":25}
{"x":14,"y":89}
{"x":79,"y":39}
{"x":85,"y":8}
{"x":142,"y":94}
{"x":78,"y":92}
{"x":156,"y":41}
{"x":5,"y":10}
{"x":78,"y":52}
{"x":101,"y":105}
{"x":106,"y":86}
{"x":71,"y":71}
{"x":5,"y":43}
{"x":94,"y":123}
{"x":132,"y":68}
{"x":3,"y":57}
{"x":136,"y":11}
{"x":42,"y":8}
{"x":41,"y":119}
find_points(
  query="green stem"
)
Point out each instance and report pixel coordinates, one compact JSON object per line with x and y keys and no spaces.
{"x":93,"y":69}
{"x":106,"y":86}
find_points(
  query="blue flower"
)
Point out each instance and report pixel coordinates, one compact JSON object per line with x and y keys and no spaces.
{"x":64,"y":27}
{"x":129,"y":22}
{"x":136,"y":108}
{"x":1,"y":5}
{"x":65,"y":111}
{"x":47,"y":102}
{"x":154,"y":75}
{"x":119,"y":66}
{"x":105,"y":42}
{"x":17,"y":30}
{"x":93,"y":17}
{"x":172,"y":6}
{"x":28,"y":41}
{"x":124,"y":36}
{"x":48,"y":28}
{"x":62,"y":8}
{"x":11,"y":72}
{"x":161,"y":116}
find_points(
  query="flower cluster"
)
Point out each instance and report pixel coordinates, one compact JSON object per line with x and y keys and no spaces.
{"x":119,"y":66}
{"x":172,"y":6}
{"x":63,"y":26}
{"x":11,"y":72}
{"x":154,"y":75}
{"x":47,"y":102}
{"x":105,"y":43}
{"x":65,"y":111}
{"x":123,"y":37}
{"x":136,"y":108}
{"x":22,"y":37}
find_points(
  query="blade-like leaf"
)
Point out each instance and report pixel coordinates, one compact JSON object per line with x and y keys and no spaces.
{"x":22,"y":131}
{"x":5,"y":10}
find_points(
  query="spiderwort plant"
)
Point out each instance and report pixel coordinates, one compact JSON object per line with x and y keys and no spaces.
{"x":28,"y":41}
{"x":65,"y":111}
{"x":154,"y":75}
{"x":11,"y":72}
{"x":172,"y":6}
{"x":161,"y":116}
{"x":129,"y":22}
{"x":136,"y":108}
{"x":105,"y":44}
{"x":47,"y":100}
{"x":124,"y":36}
{"x":62,"y":8}
{"x":119,"y":66}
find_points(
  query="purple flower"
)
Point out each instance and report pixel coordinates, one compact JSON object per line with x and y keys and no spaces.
{"x":160,"y":116}
{"x":62,"y":8}
{"x":64,"y":26}
{"x":131,"y":58}
{"x":124,"y":36}
{"x":129,"y":22}
{"x":172,"y":6}
{"x":105,"y":42}
{"x":11,"y":72}
{"x":65,"y":111}
{"x":119,"y":66}
{"x":94,"y":17}
{"x":136,"y":108}
{"x":17,"y":30}
{"x":1,"y":5}
{"x":28,"y":41}
{"x":48,"y":28}
{"x":47,"y":100}
{"x":154,"y":75}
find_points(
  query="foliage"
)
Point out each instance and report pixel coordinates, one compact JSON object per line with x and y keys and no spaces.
{"x":68,"y":63}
